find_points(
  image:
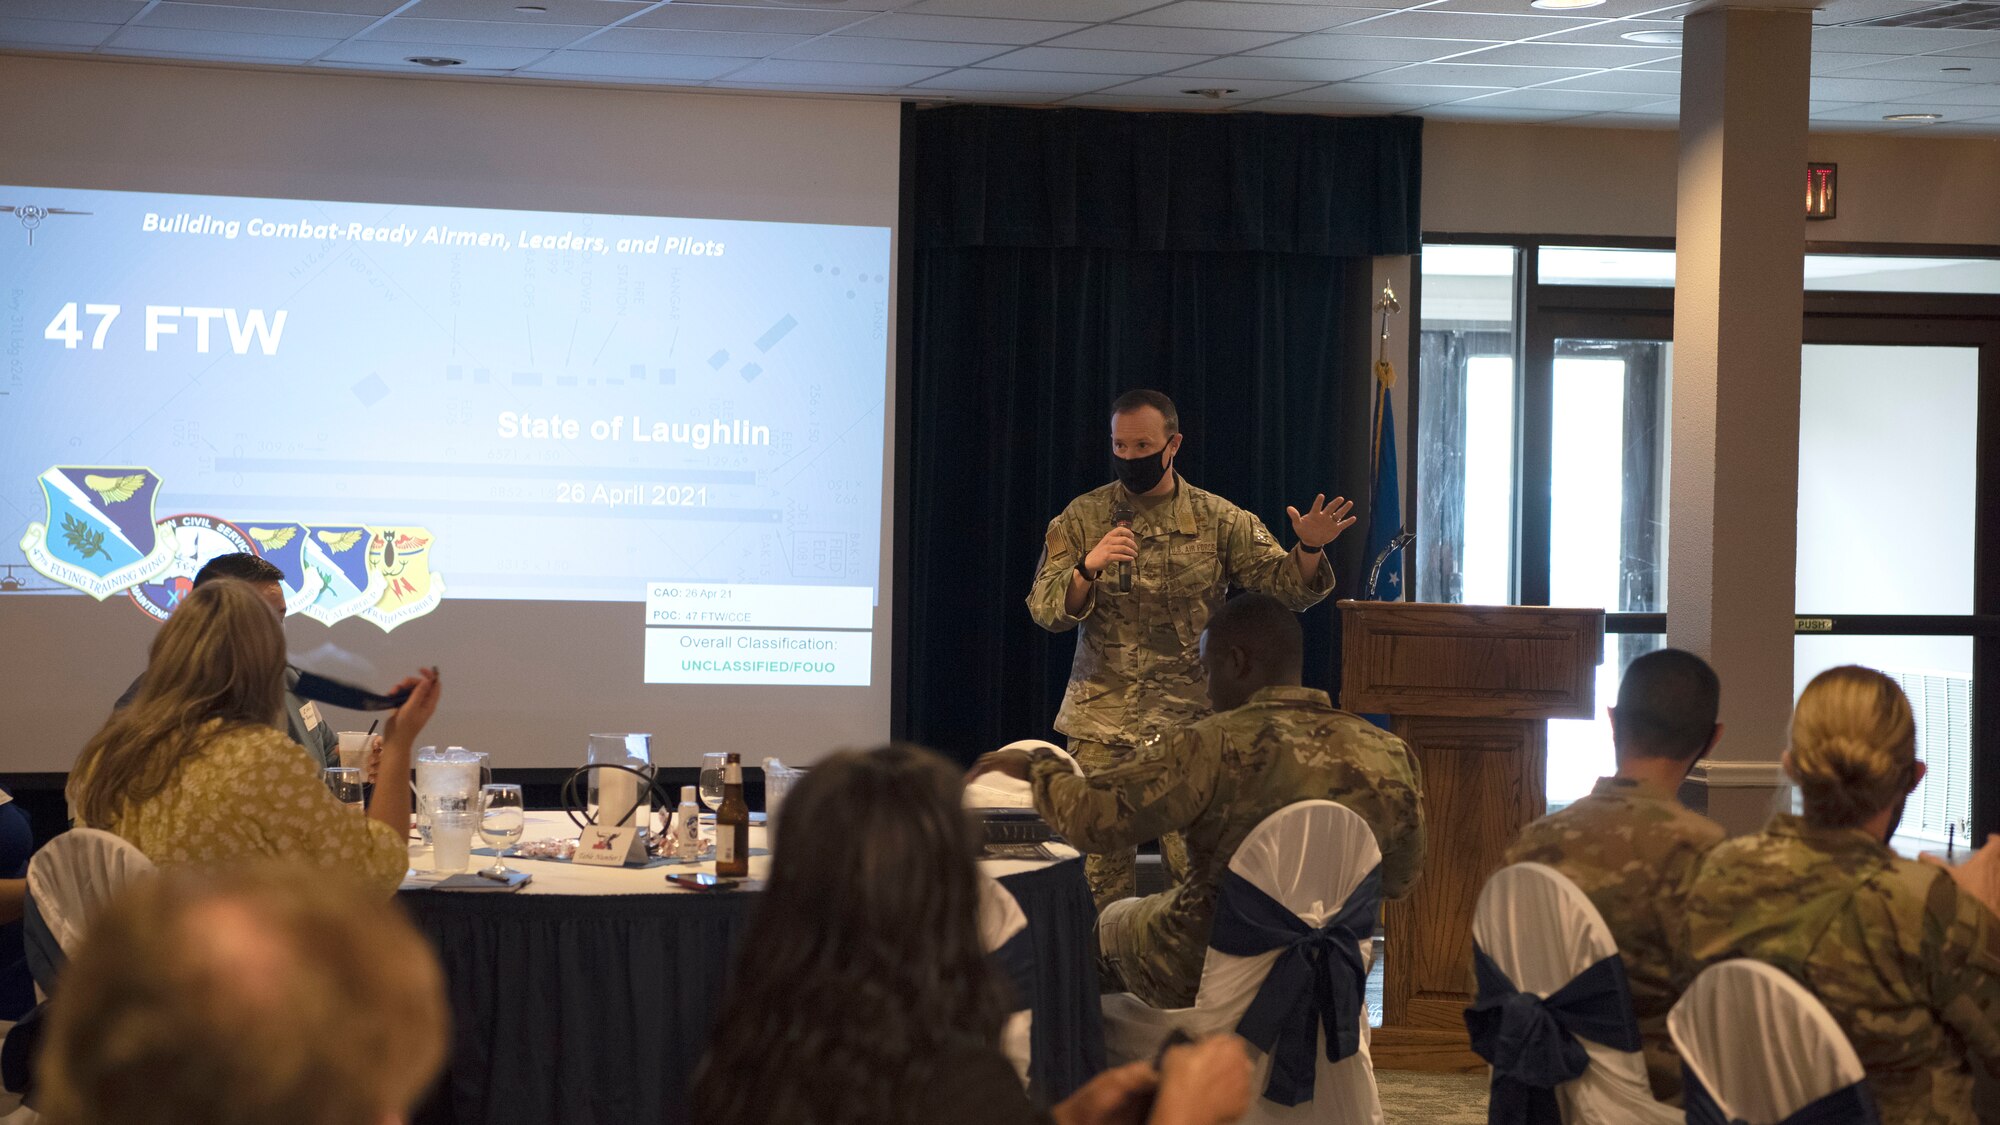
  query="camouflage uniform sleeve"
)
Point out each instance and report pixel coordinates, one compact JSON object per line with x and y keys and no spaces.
{"x":1161,"y":789}
{"x":1962,"y":956}
{"x":1060,"y":552}
{"x":1257,"y":562}
{"x":1404,"y":845}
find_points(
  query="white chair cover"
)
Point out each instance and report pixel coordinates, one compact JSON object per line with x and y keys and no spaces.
{"x":998,"y":791}
{"x":1762,"y":1045}
{"x":1309,"y":856}
{"x":1000,"y":921}
{"x":75,"y":875}
{"x":1542,"y":931}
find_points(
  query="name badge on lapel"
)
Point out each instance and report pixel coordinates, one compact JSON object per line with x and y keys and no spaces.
{"x":309,"y":712}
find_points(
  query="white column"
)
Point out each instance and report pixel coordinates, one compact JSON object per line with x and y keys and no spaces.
{"x":1738,"y":316}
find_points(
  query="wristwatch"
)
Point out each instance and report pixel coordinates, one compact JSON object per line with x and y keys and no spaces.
{"x":1311,"y":550}
{"x":1085,"y":571}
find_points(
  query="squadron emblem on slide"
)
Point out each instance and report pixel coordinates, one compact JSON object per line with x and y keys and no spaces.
{"x":100,"y":536}
{"x":197,"y":539}
{"x":402,"y":557}
{"x":337,"y":554}
{"x":283,"y":545}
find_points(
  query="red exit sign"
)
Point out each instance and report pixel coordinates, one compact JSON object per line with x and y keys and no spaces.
{"x":1822,"y":181}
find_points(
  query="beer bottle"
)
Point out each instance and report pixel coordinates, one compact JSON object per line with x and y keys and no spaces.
{"x":732,"y":824}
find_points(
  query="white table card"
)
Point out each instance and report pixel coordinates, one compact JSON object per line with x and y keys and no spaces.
{"x":603,"y":846}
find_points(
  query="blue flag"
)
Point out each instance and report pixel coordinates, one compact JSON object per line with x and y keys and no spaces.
{"x":1385,"y":514}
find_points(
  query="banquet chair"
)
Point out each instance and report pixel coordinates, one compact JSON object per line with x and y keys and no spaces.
{"x":1554,"y":1014}
{"x":1003,"y":931}
{"x":997,"y":791}
{"x":70,"y":881}
{"x":1757,"y":1047}
{"x":1300,"y":897}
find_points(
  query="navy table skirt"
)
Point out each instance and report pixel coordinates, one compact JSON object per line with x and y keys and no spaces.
{"x":594,"y":1010}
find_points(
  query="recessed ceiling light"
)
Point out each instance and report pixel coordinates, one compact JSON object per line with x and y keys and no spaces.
{"x":1914,"y":117}
{"x":1210,"y":92}
{"x":1565,"y":3}
{"x":1656,"y":38}
{"x":434,"y":60}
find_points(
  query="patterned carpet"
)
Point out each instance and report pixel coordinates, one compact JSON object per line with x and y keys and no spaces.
{"x":1409,"y":1097}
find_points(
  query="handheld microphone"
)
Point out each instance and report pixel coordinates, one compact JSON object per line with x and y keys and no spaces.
{"x":1121,"y":579}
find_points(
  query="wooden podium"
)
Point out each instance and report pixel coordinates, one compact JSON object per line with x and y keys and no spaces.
{"x":1471,"y":689}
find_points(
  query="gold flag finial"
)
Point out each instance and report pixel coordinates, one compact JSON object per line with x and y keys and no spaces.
{"x":1387,"y":305}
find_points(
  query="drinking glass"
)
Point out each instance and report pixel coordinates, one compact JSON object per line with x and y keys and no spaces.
{"x":451,"y":838}
{"x":628,"y":797}
{"x":345,"y":782}
{"x":711,"y":781}
{"x":447,"y":781}
{"x":502,"y":818}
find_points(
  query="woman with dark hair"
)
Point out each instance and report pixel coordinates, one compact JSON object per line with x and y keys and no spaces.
{"x":862,"y":993}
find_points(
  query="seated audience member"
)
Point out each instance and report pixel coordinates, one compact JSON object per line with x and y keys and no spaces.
{"x":1270,"y":744}
{"x":1632,"y":848}
{"x":247,"y":996}
{"x":1905,"y":960}
{"x":192,"y":771}
{"x":863,"y":995}
{"x":17,"y":844}
{"x":302,"y":718}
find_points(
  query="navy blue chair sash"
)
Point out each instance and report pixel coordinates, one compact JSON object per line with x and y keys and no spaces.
{"x":1849,"y":1105}
{"x":1531,"y":1042}
{"x":1015,"y":961}
{"x":1316,"y":984}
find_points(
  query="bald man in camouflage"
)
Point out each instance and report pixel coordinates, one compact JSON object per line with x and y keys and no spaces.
{"x":1270,"y":743}
{"x":1136,"y":676}
{"x":1633,"y":848}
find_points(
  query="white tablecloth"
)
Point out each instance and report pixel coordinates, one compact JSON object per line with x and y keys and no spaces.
{"x":556,"y":878}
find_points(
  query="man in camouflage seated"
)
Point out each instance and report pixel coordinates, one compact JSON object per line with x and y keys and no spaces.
{"x":1632,"y":848}
{"x":1270,"y":743}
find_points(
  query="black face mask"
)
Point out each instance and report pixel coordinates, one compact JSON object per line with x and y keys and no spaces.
{"x":1140,"y":475}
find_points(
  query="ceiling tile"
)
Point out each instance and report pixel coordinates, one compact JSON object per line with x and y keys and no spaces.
{"x":479,"y":33}
{"x":628,"y":64}
{"x":255,"y":21}
{"x":1845,"y":89}
{"x":218,"y":44}
{"x":1135,"y":101}
{"x":343,"y":7}
{"x":1188,"y":40}
{"x":1627,"y":121}
{"x":735,"y":44}
{"x":1466,"y":74}
{"x":1051,"y":82}
{"x":1964,"y":95}
{"x":1896,"y":40}
{"x":77,"y":11}
{"x":1664,"y":66}
{"x":1570,"y":54}
{"x":1411,"y":95}
{"x":956,"y":29}
{"x":1092,"y":62}
{"x":1093,"y":10}
{"x":53,"y":33}
{"x":904,"y":52}
{"x":723,"y":17}
{"x":1624,"y":82}
{"x":394,"y":54}
{"x":1309,"y":102}
{"x":1298,"y":70}
{"x":1833,"y":62}
{"x":1862,"y":112}
{"x":1239,"y":15}
{"x":1342,"y":45}
{"x":853,"y":6}
{"x":1613,"y":33}
{"x":1977,"y":51}
{"x":1563,"y":98}
{"x":1471,"y":113}
{"x":1425,"y":24}
{"x":1245,"y":87}
{"x":1847,"y":11}
{"x":800,"y":72}
{"x":1931,"y":68}
{"x":592,"y":13}
{"x":1668,"y":108}
{"x":1610,"y":9}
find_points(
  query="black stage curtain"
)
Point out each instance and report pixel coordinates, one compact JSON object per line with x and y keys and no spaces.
{"x":1061,"y":257}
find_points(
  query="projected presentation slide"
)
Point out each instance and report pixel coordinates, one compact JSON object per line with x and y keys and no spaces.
{"x":398,"y":405}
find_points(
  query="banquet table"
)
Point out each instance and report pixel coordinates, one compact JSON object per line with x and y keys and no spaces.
{"x":585,"y":997}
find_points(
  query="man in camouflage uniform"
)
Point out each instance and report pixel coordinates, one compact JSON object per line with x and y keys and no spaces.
{"x":1136,"y":676}
{"x":1632,"y":848}
{"x":1271,"y":743}
{"x":1905,"y":958}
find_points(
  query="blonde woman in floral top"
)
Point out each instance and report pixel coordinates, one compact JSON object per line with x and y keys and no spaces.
{"x":193,"y":771}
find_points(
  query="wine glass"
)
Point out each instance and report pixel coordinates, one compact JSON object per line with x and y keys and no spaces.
{"x":711,"y":781}
{"x":345,"y":782}
{"x":502,"y":819}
